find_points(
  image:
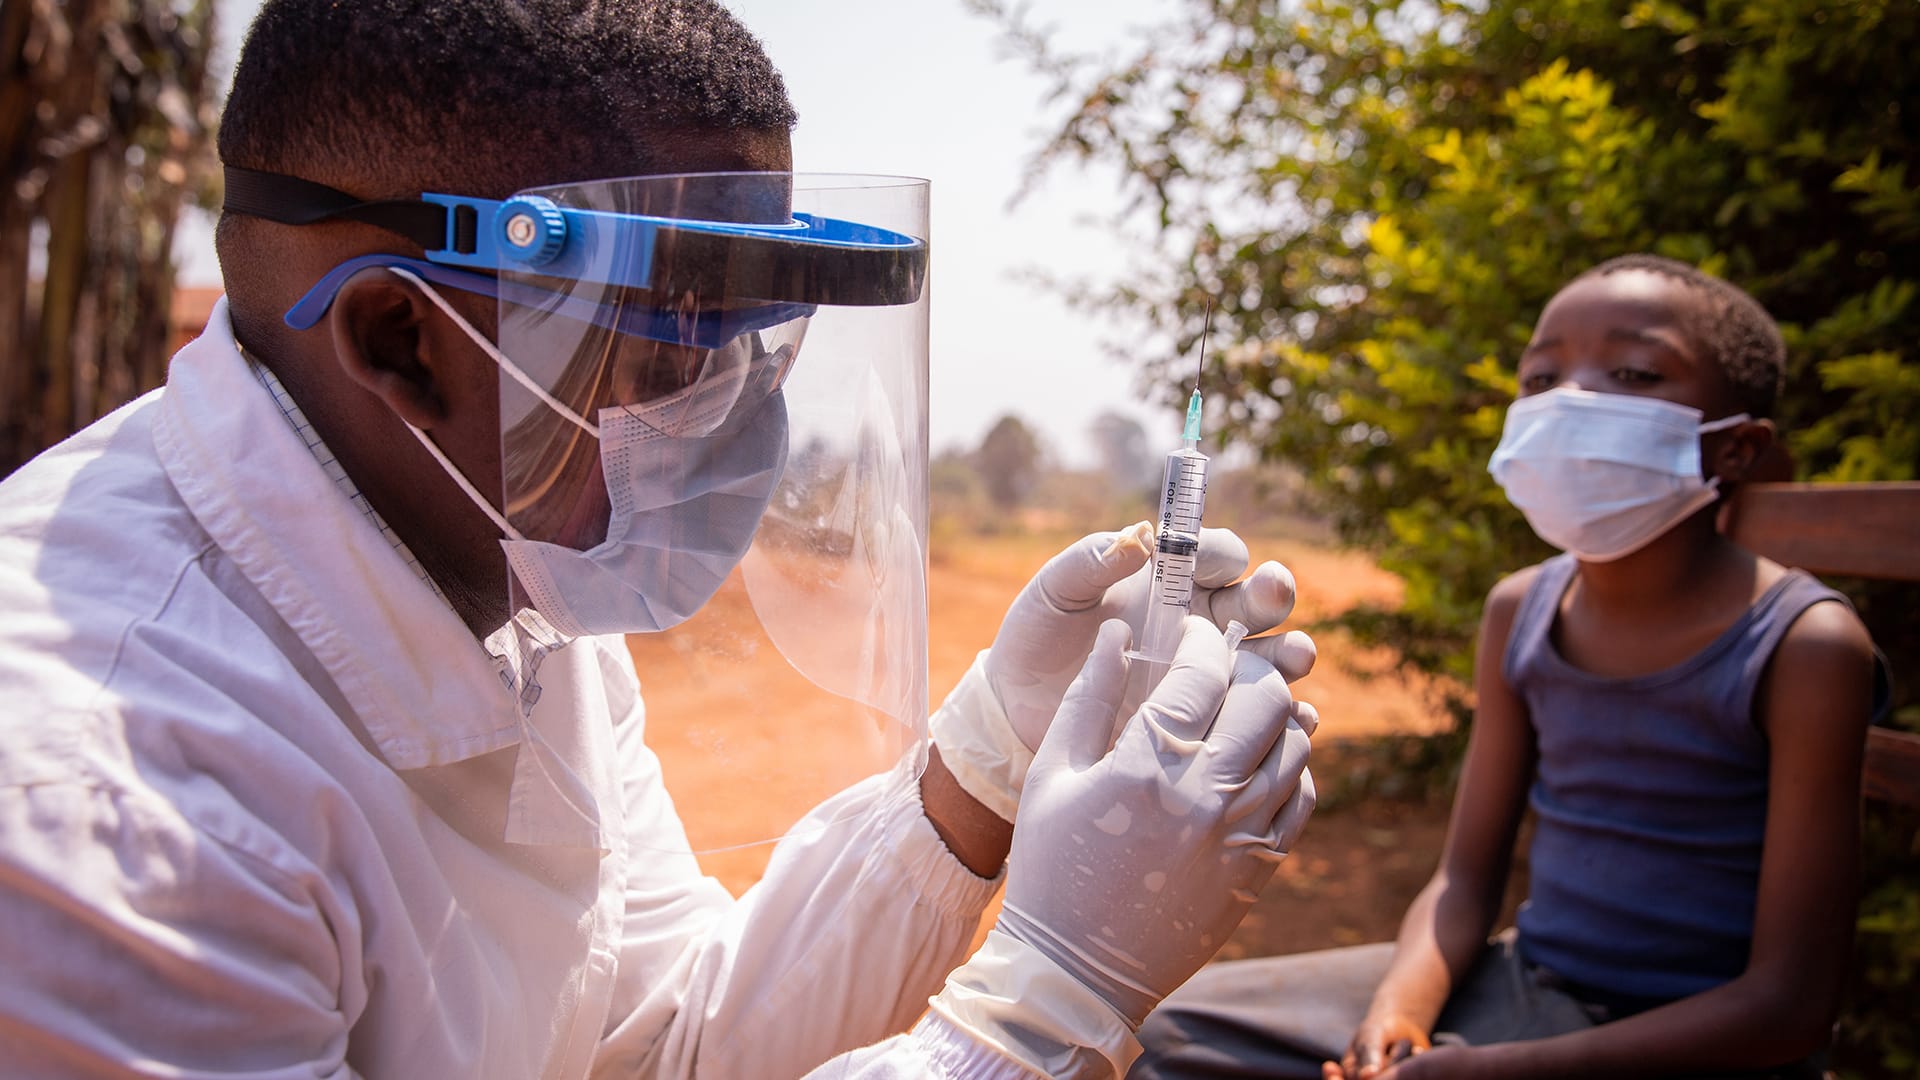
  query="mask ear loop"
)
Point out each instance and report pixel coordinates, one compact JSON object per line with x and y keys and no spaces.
{"x":500,"y":358}
{"x":466,"y":485}
{"x":1722,"y":424}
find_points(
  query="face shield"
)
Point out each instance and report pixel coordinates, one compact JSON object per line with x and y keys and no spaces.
{"x":713,"y":401}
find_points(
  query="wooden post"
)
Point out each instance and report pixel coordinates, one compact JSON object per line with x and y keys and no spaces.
{"x":87,"y":225}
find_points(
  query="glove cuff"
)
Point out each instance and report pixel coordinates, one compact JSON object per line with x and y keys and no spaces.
{"x":978,"y":744}
{"x":1012,"y":998}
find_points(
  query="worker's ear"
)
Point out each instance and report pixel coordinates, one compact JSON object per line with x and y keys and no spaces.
{"x":392,"y":340}
{"x":1732,"y":455}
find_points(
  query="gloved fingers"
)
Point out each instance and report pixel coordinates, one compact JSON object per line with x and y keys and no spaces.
{"x":1291,"y":821}
{"x":1261,"y":602}
{"x":1189,"y":695}
{"x":1256,"y":871}
{"x":1222,"y":558}
{"x":1253,"y":718}
{"x":1078,"y":577}
{"x":1083,"y":724}
{"x":1306,"y":716}
{"x":1264,"y":797}
{"x":1292,"y":653}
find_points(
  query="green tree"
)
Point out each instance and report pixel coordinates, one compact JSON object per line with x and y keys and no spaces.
{"x":1127,"y":463}
{"x":1009,"y":460}
{"x":1378,"y":196}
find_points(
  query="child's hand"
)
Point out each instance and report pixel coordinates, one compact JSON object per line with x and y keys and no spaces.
{"x":1440,"y":1063}
{"x":1381,"y":1042}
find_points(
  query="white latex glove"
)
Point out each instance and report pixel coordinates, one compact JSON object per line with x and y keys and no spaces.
{"x":988,"y":728}
{"x":1045,"y":637}
{"x":1131,"y":867}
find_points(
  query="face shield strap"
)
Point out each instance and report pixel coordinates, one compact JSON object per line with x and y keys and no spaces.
{"x":290,"y":200}
{"x":806,"y":259}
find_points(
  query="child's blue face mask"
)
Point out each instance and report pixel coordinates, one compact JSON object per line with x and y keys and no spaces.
{"x":1602,"y":475}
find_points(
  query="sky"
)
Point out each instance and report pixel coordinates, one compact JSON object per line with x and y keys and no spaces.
{"x":922,"y":88}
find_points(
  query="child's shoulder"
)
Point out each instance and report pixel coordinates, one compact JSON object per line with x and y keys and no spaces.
{"x":1828,"y":623}
{"x":1502,"y":606}
{"x":1825,"y":634}
{"x":1824,"y":661}
{"x":1507,"y":593}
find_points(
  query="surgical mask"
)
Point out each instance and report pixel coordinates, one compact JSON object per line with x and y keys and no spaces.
{"x":1602,"y":475}
{"x":688,"y":477}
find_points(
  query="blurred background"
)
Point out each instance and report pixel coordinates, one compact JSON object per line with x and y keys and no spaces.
{"x":1375,"y":198}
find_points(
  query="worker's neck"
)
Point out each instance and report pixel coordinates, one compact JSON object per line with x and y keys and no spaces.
{"x":456,"y":545}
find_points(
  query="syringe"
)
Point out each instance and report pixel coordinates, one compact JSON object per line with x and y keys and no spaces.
{"x":1183,"y":496}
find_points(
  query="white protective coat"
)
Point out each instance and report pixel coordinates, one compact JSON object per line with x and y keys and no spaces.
{"x":267,"y":809}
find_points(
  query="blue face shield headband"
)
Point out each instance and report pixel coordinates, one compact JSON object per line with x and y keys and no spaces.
{"x":766,"y":272}
{"x":707,"y":329}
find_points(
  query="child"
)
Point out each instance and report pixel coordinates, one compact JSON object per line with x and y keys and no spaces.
{"x":1685,"y":718}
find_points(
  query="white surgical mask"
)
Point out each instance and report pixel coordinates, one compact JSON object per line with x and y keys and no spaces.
{"x":1602,"y":475}
{"x":686,"y":502}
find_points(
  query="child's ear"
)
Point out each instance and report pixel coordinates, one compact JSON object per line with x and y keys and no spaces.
{"x":1747,"y":453}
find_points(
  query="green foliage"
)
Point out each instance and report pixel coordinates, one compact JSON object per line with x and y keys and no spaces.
{"x":1887,"y":950}
{"x":1379,"y":196}
{"x":1009,"y":460}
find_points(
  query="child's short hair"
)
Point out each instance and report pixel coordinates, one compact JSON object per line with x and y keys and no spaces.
{"x":1742,"y":338}
{"x":469,"y":96}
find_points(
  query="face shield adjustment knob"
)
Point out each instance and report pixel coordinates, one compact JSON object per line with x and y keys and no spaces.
{"x":531,"y":229}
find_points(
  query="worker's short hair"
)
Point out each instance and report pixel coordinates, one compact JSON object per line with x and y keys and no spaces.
{"x":1729,"y":324}
{"x":389,"y":98}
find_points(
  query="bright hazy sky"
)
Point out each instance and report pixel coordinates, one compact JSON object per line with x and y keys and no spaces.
{"x":919,"y":88}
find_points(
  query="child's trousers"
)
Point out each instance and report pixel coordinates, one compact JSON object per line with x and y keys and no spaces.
{"x":1281,"y":1017}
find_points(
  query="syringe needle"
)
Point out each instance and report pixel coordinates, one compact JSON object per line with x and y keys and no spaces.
{"x":1205,"y":329}
{"x":1183,"y":498}
{"x":1190,"y":436}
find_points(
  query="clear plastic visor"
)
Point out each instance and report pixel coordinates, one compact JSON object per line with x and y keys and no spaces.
{"x":751,"y":511}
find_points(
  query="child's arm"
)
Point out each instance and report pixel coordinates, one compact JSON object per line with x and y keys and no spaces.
{"x":1446,"y":925}
{"x":1814,"y":703}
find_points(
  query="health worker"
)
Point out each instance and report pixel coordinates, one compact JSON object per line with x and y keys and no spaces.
{"x":323,"y":754}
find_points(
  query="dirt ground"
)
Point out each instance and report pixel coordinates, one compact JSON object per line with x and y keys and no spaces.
{"x":1346,"y":883}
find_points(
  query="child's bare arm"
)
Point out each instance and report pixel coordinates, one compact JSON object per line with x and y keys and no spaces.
{"x":1813,"y":704}
{"x":1817,"y":701}
{"x":1446,"y":925}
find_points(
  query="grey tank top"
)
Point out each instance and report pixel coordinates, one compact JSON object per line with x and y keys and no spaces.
{"x":1650,"y":796}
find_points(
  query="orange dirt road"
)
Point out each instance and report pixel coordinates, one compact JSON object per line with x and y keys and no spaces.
{"x":744,"y":761}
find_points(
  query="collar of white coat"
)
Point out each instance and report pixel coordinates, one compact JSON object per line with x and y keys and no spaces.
{"x":423,"y":689}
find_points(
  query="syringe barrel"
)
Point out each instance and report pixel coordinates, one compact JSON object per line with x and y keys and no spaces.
{"x":1171,"y":599}
{"x":1183,"y":497}
{"x":1183,"y":494}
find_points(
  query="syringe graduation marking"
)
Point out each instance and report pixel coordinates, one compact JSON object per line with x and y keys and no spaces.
{"x":1183,"y":500}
